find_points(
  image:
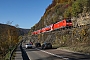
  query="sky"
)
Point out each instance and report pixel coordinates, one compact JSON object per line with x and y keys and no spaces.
{"x":25,"y":13}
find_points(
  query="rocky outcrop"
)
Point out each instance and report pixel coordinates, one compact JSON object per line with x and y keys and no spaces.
{"x":83,"y":19}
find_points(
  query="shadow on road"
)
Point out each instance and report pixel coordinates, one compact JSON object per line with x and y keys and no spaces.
{"x":24,"y":54}
{"x":82,"y":56}
{"x":75,"y":56}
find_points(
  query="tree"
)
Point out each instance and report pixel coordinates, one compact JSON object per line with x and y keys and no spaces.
{"x":76,"y":8}
{"x":17,"y":26}
{"x":9,"y":22}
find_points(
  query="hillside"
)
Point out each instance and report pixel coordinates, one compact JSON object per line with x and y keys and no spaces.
{"x":23,"y":31}
{"x":8,"y":38}
{"x":76,"y":38}
{"x":77,"y":10}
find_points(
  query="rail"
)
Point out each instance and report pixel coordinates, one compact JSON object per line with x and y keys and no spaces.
{"x":14,"y":50}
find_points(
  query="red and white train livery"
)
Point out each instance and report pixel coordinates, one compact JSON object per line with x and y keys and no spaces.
{"x":61,"y":24}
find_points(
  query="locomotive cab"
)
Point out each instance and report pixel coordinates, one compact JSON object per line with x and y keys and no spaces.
{"x":68,"y":23}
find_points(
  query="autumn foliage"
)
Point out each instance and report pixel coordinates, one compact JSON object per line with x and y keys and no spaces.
{"x":8,"y":38}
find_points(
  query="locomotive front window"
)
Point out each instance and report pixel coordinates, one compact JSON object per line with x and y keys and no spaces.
{"x":68,"y":20}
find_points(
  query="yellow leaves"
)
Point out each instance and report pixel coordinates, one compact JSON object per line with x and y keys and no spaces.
{"x":8,"y":37}
{"x":39,"y":36}
{"x":83,"y":32}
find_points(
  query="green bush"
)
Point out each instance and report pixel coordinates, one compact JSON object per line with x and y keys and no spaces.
{"x":67,"y":13}
{"x":76,"y":8}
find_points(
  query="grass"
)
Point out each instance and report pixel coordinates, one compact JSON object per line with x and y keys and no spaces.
{"x":7,"y":56}
{"x":55,"y":46}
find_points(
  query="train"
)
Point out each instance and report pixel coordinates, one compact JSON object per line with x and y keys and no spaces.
{"x":59,"y":25}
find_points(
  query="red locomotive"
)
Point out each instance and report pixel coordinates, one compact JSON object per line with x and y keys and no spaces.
{"x":61,"y":24}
